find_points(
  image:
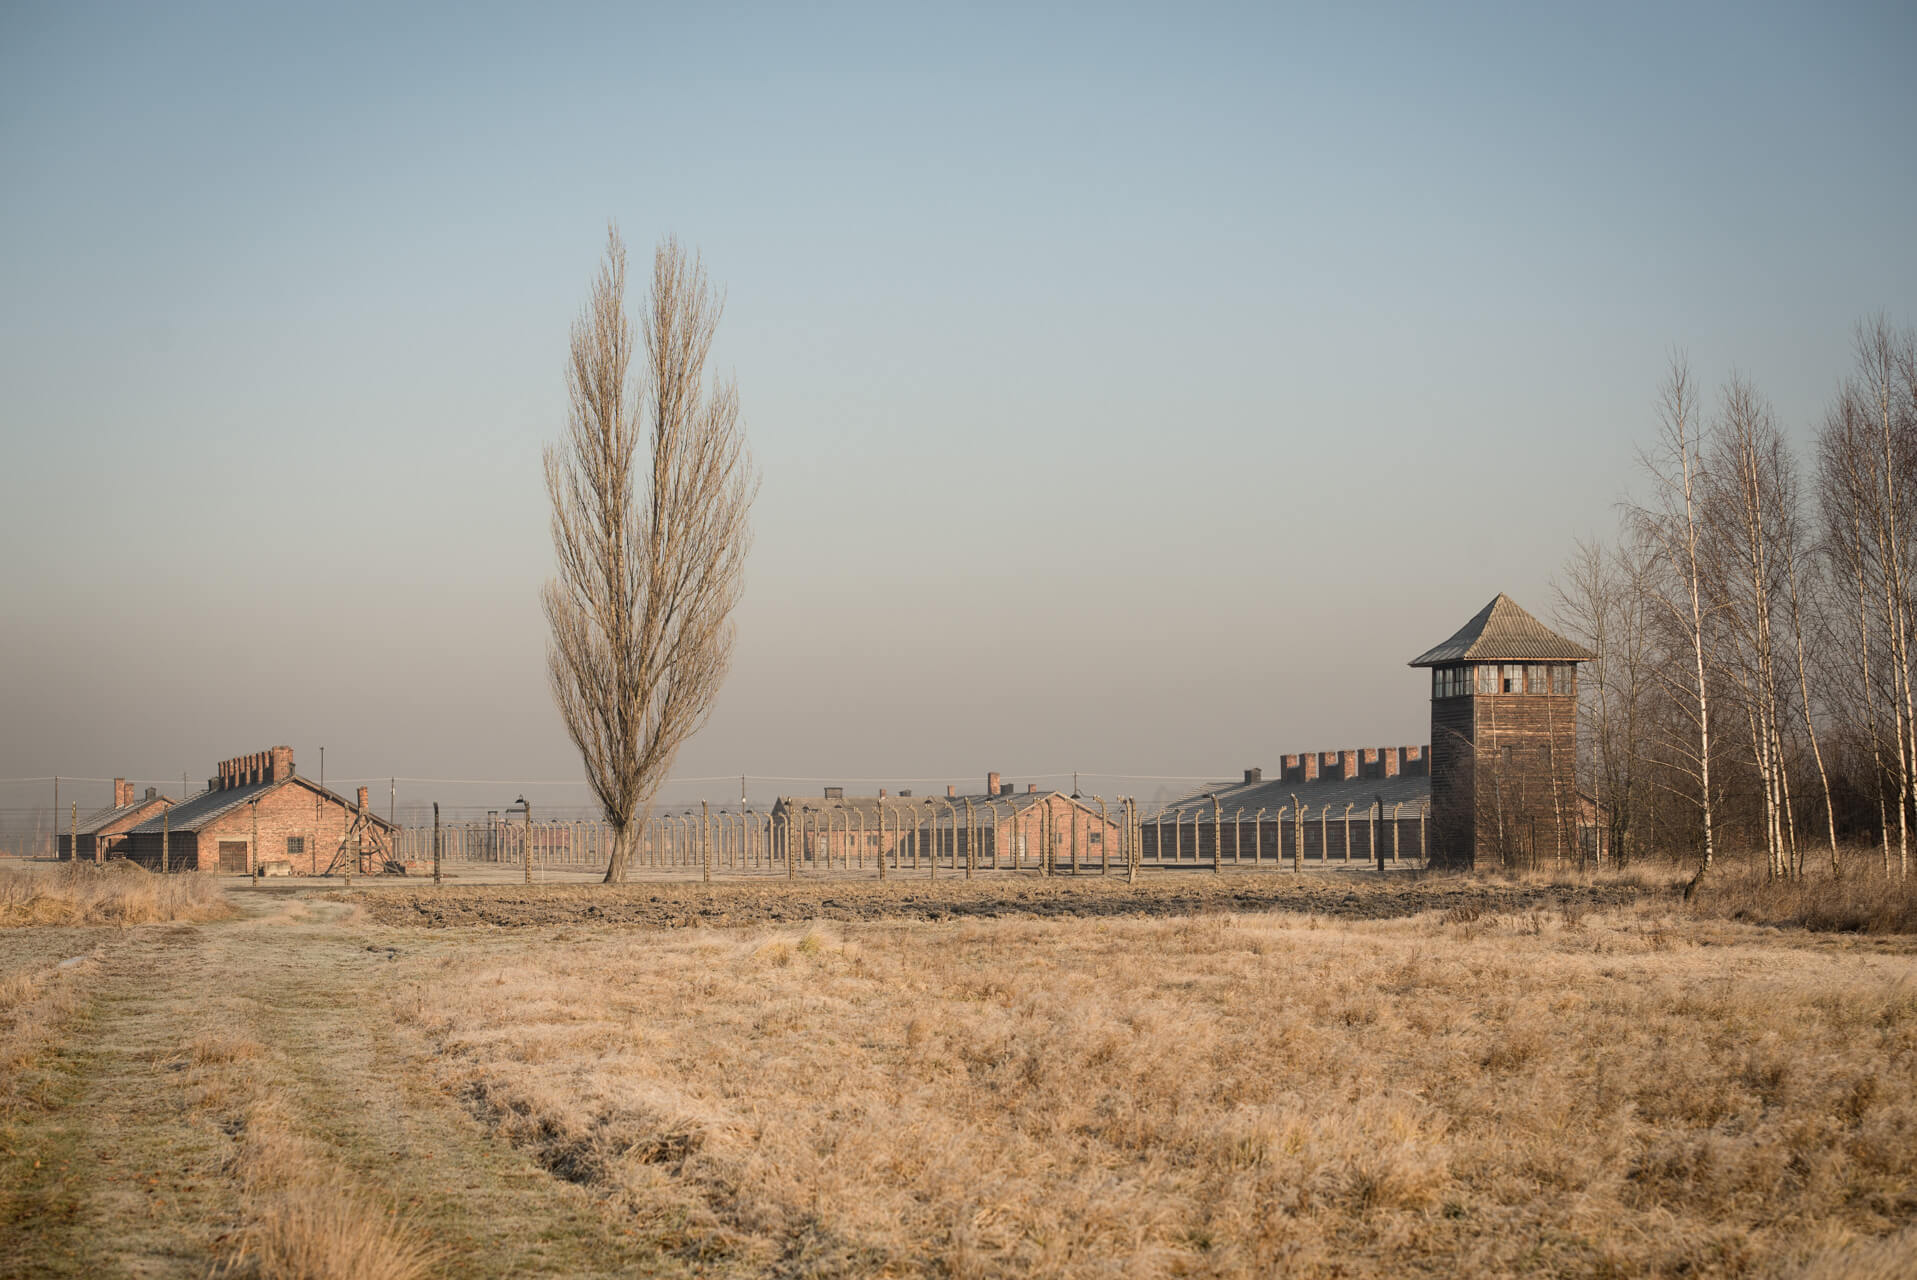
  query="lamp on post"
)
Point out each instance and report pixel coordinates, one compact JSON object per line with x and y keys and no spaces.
{"x":521,"y":805}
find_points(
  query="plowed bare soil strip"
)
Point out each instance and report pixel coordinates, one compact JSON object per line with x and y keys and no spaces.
{"x":1343,"y":895}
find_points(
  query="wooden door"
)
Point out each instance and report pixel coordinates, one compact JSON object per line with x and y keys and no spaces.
{"x":233,"y":856}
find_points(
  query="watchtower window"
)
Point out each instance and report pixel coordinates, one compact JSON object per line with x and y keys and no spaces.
{"x":1513,"y":679}
{"x":1450,"y":682}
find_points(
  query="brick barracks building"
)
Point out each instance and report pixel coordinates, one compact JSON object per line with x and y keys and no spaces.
{"x":1496,"y":785}
{"x":999,"y":827}
{"x":103,"y":835}
{"x":256,"y":814}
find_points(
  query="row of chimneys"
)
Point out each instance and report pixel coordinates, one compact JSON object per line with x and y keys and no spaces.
{"x":1347,"y":766}
{"x":123,"y":793}
{"x":274,"y":765}
{"x":1311,"y":766}
{"x":993,"y":787}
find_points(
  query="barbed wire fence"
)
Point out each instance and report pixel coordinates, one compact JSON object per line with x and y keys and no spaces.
{"x":1044,"y":832}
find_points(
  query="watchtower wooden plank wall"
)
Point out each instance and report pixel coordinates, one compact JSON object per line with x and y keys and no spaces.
{"x":1504,"y":728}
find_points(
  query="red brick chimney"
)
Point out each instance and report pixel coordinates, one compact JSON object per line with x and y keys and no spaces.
{"x":1390,"y":761}
{"x":122,"y":793}
{"x":362,"y":799}
{"x":1348,"y":766}
{"x":951,"y":792}
{"x":1031,"y":788}
{"x":1301,"y":768}
{"x":991,"y":784}
{"x":1417,"y":762}
{"x":282,"y":764}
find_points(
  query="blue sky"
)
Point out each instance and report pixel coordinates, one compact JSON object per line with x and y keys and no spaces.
{"x":1135,"y":389}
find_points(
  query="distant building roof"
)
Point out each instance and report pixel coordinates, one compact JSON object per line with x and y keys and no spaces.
{"x":95,"y":823}
{"x":868,"y":806}
{"x":1502,"y":632}
{"x":193,"y":813}
{"x":1409,"y":790}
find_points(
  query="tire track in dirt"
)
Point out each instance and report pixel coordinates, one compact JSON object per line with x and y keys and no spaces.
{"x":129,"y":1168}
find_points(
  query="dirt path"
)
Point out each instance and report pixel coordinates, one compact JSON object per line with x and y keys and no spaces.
{"x":127,"y":1166}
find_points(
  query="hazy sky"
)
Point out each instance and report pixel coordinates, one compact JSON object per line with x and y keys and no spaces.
{"x":1135,"y":391}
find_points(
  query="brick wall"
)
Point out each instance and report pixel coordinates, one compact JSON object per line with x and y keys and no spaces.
{"x":263,"y":828}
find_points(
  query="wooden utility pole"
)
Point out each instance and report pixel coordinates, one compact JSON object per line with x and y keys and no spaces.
{"x":1104,"y":838}
{"x":528,"y":804}
{"x":166,"y":831}
{"x":73,"y":833}
{"x":705,"y":842}
{"x":971,"y":838}
{"x":1298,"y":835}
{"x":1135,"y":835}
{"x":1217,"y":833}
{"x":436,"y":879}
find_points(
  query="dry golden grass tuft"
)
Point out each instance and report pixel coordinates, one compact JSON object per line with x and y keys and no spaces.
{"x":1548,"y":1093}
{"x":302,"y":1217}
{"x":305,"y":1222}
{"x":1862,"y":898}
{"x":35,"y":1006}
{"x":118,"y":893}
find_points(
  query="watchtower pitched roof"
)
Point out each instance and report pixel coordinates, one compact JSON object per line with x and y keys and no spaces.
{"x":1502,"y":632}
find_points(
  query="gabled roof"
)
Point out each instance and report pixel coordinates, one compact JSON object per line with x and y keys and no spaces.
{"x":193,"y":813}
{"x":95,"y":823}
{"x":1502,"y":632}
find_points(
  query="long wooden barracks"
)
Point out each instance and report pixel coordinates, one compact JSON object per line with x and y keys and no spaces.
{"x":258,"y":814}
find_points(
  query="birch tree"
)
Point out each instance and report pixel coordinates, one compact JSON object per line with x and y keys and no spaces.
{"x":1601,"y":603}
{"x":1672,"y":526}
{"x":651,"y":542}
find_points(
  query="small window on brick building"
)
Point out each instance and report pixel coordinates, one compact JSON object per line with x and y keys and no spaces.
{"x":296,"y":844}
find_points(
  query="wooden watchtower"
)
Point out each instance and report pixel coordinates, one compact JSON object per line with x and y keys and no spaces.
{"x":1504,"y":734}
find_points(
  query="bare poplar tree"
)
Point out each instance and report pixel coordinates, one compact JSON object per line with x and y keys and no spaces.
{"x":651,"y":545}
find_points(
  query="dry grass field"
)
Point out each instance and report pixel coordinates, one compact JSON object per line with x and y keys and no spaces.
{"x":117,"y":893}
{"x":1337,"y":1077}
{"x":1541,"y":1093}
